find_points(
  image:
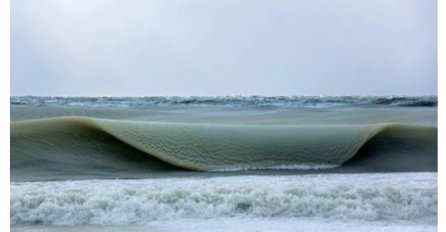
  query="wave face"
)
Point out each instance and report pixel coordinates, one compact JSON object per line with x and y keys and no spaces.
{"x":287,"y":101}
{"x":82,"y":146}
{"x":371,"y":197}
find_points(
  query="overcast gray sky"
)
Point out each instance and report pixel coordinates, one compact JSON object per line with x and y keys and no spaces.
{"x":202,"y":47}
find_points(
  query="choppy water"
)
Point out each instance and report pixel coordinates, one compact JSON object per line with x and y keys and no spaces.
{"x":362,"y":197}
{"x":290,"y":101}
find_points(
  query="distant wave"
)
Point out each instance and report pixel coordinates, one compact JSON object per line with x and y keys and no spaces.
{"x":286,"y":101}
{"x":80,"y":146}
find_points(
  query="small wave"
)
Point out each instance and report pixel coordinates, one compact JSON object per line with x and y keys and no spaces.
{"x":405,"y":101}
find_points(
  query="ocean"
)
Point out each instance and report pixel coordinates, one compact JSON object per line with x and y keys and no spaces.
{"x":226,"y":163}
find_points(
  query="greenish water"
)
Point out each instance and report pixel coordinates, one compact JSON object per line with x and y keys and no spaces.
{"x":254,"y":167}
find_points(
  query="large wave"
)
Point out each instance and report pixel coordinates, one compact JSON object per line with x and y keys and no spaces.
{"x":82,"y":146}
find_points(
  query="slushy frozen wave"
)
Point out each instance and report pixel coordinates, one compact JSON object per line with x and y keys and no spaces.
{"x":72,"y":144}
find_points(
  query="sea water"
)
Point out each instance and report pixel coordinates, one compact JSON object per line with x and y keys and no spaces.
{"x":94,"y":164}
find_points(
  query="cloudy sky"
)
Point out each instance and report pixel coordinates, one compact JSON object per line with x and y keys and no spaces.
{"x":243,"y":47}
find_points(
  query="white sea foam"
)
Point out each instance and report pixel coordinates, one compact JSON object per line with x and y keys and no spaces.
{"x":241,"y":224}
{"x":307,"y":166}
{"x":363,"y":197}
